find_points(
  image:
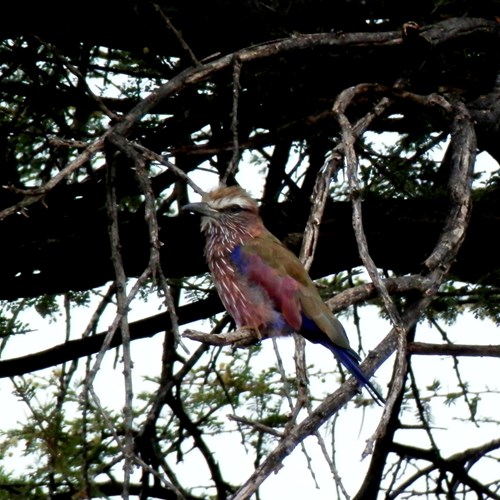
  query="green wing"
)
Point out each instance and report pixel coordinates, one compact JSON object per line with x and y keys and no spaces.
{"x":275,"y":255}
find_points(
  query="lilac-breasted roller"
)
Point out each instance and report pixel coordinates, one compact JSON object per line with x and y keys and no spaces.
{"x":261,"y":283}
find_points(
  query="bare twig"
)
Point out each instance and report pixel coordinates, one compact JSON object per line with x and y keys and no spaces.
{"x":461,"y":383}
{"x":348,"y":139}
{"x":152,"y":221}
{"x":256,"y":425}
{"x":121,"y":299}
{"x":151,"y":155}
{"x":242,"y":337}
{"x":81,"y":79}
{"x":185,"y":47}
{"x":233,"y":165}
{"x":35,"y":195}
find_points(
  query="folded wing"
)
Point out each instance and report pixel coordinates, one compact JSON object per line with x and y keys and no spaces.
{"x":265,"y":262}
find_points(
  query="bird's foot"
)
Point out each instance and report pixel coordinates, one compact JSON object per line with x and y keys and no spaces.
{"x":250,"y":336}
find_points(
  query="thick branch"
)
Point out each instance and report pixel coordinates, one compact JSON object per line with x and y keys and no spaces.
{"x":426,"y":349}
{"x":75,"y":349}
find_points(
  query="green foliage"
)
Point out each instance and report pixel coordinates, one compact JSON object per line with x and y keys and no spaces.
{"x":10,"y":324}
{"x":60,"y":443}
{"x":22,"y":487}
{"x":232,"y":384}
{"x":456,"y":298}
{"x":405,"y":166}
{"x":68,"y":440}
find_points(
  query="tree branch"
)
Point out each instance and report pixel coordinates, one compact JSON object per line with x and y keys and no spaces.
{"x":75,"y":349}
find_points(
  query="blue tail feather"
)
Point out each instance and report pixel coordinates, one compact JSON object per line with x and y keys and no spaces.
{"x":347,"y":357}
{"x":351,"y":363}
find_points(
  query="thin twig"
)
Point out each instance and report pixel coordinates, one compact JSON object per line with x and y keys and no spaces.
{"x":332,"y":462}
{"x":75,"y":71}
{"x":256,"y":425}
{"x":121,"y":299}
{"x":178,"y":35}
{"x":348,"y":139}
{"x":302,"y":397}
{"x":233,"y":164}
{"x":151,"y":155}
{"x":461,"y":383}
{"x":34,"y":195}
{"x":151,"y":218}
{"x":242,"y":337}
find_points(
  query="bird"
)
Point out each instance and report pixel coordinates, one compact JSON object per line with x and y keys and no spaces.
{"x":262,"y":284}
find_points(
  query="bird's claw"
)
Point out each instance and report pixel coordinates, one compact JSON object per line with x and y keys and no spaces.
{"x":252,"y":336}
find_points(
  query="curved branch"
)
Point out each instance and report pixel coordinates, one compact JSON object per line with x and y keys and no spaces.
{"x":456,"y":464}
{"x":463,"y":147}
{"x":437,"y":34}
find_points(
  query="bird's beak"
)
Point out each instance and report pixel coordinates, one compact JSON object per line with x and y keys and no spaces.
{"x":201,"y":208}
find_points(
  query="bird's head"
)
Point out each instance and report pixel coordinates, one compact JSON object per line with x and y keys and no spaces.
{"x":227,"y":207}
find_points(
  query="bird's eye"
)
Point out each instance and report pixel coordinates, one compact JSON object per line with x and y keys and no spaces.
{"x":234,"y":209}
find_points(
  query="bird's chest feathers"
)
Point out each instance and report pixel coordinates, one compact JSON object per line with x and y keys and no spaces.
{"x":253,"y":292}
{"x":247,"y":303}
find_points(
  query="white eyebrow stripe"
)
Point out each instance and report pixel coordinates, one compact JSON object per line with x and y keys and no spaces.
{"x":227,"y":202}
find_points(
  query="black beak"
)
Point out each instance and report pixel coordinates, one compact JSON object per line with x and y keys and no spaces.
{"x":201,"y":208}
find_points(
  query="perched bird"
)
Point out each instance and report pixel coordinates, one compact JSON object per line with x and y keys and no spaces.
{"x":261,"y":283}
